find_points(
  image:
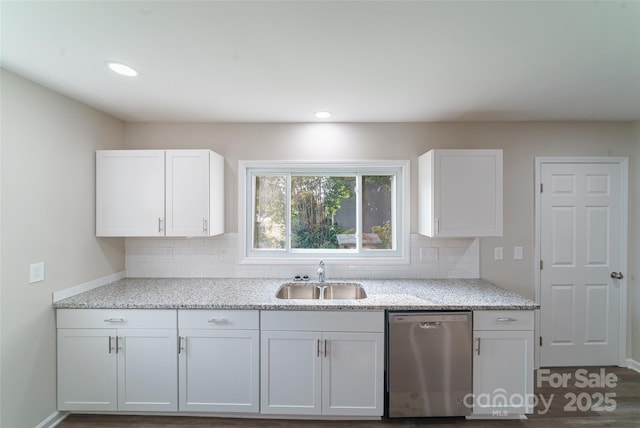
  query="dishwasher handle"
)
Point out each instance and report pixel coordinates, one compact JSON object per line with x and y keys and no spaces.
{"x":430,"y":324}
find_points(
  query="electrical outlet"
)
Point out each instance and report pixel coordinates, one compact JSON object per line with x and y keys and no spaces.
{"x":518,"y":253}
{"x":429,"y":254}
{"x":498,"y":253}
{"x":36,"y":272}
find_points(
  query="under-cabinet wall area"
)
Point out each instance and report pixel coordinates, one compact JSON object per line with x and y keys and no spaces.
{"x":217,"y":257}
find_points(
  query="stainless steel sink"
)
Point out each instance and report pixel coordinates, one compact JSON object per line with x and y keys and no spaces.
{"x":318,"y":290}
{"x":298,"y":291}
{"x":344,"y":291}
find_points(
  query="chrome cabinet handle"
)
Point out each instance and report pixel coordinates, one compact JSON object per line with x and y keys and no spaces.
{"x":218,"y":320}
{"x":182,"y":344}
{"x":159,"y":224}
{"x":617,"y":275}
{"x":205,"y":226}
{"x":110,"y":346}
{"x":318,"y":348}
{"x":478,"y":348}
{"x":325,"y":347}
{"x":118,"y":347}
{"x":114,"y":320}
{"x":509,"y":319}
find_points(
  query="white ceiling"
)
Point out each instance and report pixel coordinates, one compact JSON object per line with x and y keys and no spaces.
{"x":382,"y":61}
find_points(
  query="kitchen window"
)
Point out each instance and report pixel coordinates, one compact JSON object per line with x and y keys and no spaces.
{"x":337,"y":211}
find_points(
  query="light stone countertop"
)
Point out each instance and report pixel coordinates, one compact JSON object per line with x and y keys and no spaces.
{"x":234,"y":293}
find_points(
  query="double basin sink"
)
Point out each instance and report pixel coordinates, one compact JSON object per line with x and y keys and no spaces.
{"x":321,"y":291}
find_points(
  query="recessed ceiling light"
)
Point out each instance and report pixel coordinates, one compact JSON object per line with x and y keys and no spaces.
{"x":122,"y":69}
{"x":323,"y":115}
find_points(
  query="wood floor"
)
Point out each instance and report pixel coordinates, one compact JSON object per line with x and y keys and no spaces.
{"x":571,"y":407}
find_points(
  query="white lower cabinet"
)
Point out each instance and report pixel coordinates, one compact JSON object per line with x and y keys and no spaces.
{"x":219,"y":361}
{"x":87,"y":370}
{"x":322,"y":363}
{"x":503,"y":363}
{"x":112,"y":360}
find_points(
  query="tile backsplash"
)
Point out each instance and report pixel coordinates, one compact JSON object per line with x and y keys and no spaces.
{"x":217,"y":257}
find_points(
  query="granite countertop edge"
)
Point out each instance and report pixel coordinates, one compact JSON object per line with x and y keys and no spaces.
{"x":259,"y":294}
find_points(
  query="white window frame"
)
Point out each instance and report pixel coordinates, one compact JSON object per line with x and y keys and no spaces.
{"x":400,"y":211}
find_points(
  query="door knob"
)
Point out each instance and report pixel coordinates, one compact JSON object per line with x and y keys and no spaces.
{"x":617,"y":275}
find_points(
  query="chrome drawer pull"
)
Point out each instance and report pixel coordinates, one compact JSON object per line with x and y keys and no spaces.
{"x":218,"y":320}
{"x":114,"y":320}
{"x":506,"y":319}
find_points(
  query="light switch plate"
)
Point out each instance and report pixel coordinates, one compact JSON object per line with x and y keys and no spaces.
{"x":36,"y":272}
{"x":518,"y":253}
{"x":498,"y":253}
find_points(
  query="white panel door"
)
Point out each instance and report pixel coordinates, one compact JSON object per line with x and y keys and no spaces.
{"x":580,"y":232}
{"x":147,"y":370}
{"x":352,"y":374}
{"x":129,"y":193}
{"x":219,"y":370}
{"x":187,"y":192}
{"x":290,"y":373}
{"x":87,"y":369}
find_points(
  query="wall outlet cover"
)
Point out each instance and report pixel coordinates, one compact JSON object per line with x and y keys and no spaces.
{"x":36,"y":272}
{"x":518,"y":253}
{"x":429,"y":254}
{"x":498,"y":253}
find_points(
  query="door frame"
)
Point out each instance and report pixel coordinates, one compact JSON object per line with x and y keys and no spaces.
{"x":623,"y":162}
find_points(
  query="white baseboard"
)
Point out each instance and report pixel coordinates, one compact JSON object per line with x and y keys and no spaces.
{"x":633,"y":364}
{"x":81,"y":288}
{"x":54,"y":419}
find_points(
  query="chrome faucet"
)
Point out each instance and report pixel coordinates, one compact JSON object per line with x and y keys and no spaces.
{"x":321,"y":271}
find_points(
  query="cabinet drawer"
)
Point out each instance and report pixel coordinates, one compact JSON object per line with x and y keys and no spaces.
{"x":116,"y":318}
{"x":503,"y":320}
{"x":369,"y":321}
{"x":218,"y":320}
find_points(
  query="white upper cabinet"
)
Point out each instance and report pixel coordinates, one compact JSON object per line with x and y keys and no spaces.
{"x":129,"y":192}
{"x":194,"y":193}
{"x":159,"y":193}
{"x":460,"y":193}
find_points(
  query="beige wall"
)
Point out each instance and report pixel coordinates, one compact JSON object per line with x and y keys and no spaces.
{"x":48,"y":187}
{"x":521,"y":143}
{"x":634,"y":254}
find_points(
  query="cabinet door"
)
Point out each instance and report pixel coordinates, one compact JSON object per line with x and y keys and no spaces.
{"x":290,"y":373}
{"x":87,"y":369}
{"x":352,"y":374}
{"x":130,"y":193}
{"x":460,"y":193}
{"x":468,"y":192}
{"x":187,"y":192}
{"x":147,"y":370}
{"x":219,"y":370}
{"x":502,"y":372}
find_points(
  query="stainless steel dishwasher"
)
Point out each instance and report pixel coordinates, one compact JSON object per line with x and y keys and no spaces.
{"x":429,"y":363}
